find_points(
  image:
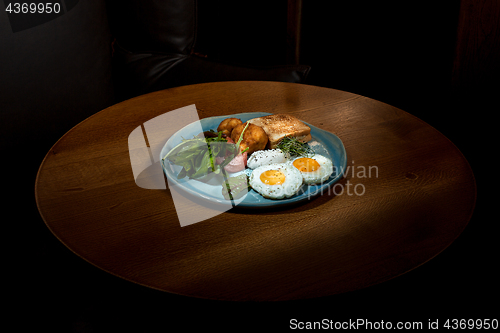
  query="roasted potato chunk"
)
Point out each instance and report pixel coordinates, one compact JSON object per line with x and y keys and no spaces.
{"x":254,"y":137}
{"x":227,"y":125}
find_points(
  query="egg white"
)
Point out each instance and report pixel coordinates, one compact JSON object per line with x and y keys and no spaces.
{"x":318,"y":176}
{"x":265,"y":157}
{"x":292,"y":184}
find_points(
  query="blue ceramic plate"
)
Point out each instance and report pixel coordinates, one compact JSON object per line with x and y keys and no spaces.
{"x":210,"y":188}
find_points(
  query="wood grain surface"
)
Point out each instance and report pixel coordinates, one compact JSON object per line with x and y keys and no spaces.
{"x":417,"y":204}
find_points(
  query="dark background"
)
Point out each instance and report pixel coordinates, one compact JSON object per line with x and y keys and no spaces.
{"x":436,"y":60}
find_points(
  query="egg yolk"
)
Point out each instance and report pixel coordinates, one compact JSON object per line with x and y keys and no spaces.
{"x":306,"y":164}
{"x":272,"y":177}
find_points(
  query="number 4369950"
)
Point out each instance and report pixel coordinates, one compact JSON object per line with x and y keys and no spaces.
{"x":26,"y":8}
{"x":471,"y":324}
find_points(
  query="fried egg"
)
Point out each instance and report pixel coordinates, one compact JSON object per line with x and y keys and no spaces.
{"x":315,"y":169}
{"x":265,"y":157}
{"x":276,"y":180}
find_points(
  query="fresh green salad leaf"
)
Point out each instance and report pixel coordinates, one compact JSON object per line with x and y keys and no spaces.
{"x":197,"y":156}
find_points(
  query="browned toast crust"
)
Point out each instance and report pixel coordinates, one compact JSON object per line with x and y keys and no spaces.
{"x":277,"y":126}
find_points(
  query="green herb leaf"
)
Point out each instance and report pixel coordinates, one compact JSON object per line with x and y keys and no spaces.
{"x":241,"y":135}
{"x":197,"y":156}
{"x":182,"y":174}
{"x":292,"y":146}
{"x":203,"y":167}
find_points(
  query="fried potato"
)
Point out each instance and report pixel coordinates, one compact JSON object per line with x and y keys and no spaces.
{"x":228,"y":124}
{"x":254,"y":137}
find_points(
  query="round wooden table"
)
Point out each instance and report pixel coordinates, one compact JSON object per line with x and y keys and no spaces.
{"x":416,"y":204}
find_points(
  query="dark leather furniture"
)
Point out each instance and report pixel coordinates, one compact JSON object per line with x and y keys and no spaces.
{"x":56,"y":70}
{"x":155,"y":48}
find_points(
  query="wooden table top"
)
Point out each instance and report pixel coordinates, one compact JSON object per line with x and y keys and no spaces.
{"x":419,"y":202}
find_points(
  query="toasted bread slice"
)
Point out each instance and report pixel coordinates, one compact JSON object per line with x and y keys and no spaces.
{"x":277,"y":126}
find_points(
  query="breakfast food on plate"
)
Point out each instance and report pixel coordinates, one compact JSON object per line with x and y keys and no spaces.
{"x":254,"y":137}
{"x":314,"y":169}
{"x":277,"y":126}
{"x":279,"y":156}
{"x":276,"y":181}
{"x":269,"y":154}
{"x":265,"y":157}
{"x":227,"y":125}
